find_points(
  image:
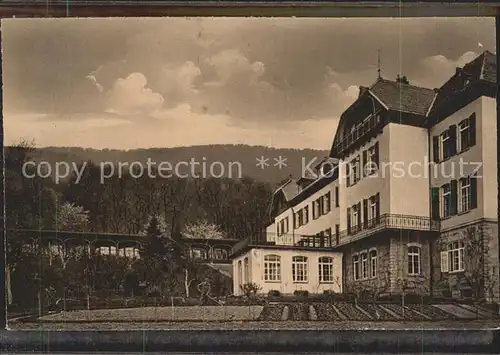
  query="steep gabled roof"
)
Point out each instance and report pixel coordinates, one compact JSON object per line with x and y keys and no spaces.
{"x":403,"y":97}
{"x":481,"y":69}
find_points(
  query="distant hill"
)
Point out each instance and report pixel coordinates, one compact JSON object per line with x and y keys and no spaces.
{"x":242,"y":157}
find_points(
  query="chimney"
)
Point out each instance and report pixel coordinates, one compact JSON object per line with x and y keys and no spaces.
{"x":402,"y":80}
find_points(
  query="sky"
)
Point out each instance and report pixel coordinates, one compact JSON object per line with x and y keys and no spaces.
{"x":165,"y":82}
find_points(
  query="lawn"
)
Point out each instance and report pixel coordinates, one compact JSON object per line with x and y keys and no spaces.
{"x":158,"y":314}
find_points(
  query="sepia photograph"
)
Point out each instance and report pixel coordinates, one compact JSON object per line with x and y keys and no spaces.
{"x":250,"y":173}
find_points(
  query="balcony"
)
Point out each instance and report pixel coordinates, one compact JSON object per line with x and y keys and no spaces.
{"x":387,"y":222}
{"x":367,"y":128}
{"x":286,"y":241}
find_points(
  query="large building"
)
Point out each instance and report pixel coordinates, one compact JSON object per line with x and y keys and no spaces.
{"x":406,"y":201}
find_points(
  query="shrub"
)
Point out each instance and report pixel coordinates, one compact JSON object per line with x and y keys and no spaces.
{"x":250,"y":289}
{"x":274,"y":293}
{"x":301,"y":293}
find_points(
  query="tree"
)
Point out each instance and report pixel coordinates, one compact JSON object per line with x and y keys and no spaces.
{"x":203,"y":230}
{"x":479,"y":273}
{"x":72,"y":218}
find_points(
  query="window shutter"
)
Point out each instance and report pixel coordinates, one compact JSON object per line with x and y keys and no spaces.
{"x":337,"y":202}
{"x":453,"y":140}
{"x":454,"y":197}
{"x":472,"y":129}
{"x":377,"y":206}
{"x":435,"y":213}
{"x":473,"y":191}
{"x":314,"y":209}
{"x":365,"y":212}
{"x":360,"y":222}
{"x":435,"y":149}
{"x":348,"y":173}
{"x":363,"y":163}
{"x":444,"y":261}
{"x":376,"y":156}
{"x":349,"y":220}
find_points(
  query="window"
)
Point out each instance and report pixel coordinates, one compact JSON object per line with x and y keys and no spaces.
{"x":456,"y":256}
{"x":282,"y":226}
{"x":247,"y":270}
{"x":372,"y":212}
{"x":355,"y":170}
{"x":364,"y":265}
{"x":413,"y":260}
{"x":325,"y":268}
{"x":373,"y":263}
{"x":447,"y":144}
{"x":464,"y":135}
{"x":371,"y":161}
{"x":272,"y":268}
{"x":326,"y":203}
{"x":220,"y":254}
{"x":446,"y":200}
{"x":354,"y":216}
{"x":465,"y":195}
{"x":305,"y":212}
{"x":299,"y":269}
{"x":355,"y":265}
{"x":196,"y":253}
{"x":328,"y":237}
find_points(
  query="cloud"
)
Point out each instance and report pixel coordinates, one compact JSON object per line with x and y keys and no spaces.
{"x":438,"y":69}
{"x":130,"y":96}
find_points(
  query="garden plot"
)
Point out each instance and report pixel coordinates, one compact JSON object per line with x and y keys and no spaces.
{"x":298,"y":311}
{"x":272,"y":312}
{"x":350,"y":311}
{"x":374,"y":310}
{"x":326,"y":312}
{"x":408,"y":313}
{"x":156,"y":314}
{"x":459,"y":312}
{"x":480,"y":311}
{"x":431,"y":312}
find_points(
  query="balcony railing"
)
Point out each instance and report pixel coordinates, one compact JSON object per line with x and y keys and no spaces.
{"x":286,"y":240}
{"x":388,"y":222}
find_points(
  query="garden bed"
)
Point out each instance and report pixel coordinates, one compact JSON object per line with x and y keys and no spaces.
{"x":408,"y":313}
{"x":272,"y":312}
{"x":326,"y":312}
{"x":350,"y":311}
{"x":374,"y":310}
{"x":298,"y":311}
{"x":156,"y":314}
{"x":431,"y":311}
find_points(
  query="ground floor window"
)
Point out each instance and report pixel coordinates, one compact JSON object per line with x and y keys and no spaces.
{"x":272,"y":268}
{"x":299,"y":269}
{"x":373,"y":263}
{"x":414,"y":260}
{"x":355,"y":265}
{"x":456,"y":256}
{"x":325,"y":264}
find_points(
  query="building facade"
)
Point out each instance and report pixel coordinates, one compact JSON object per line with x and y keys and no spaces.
{"x":407,"y":199}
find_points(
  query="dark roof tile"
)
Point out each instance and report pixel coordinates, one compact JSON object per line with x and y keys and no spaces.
{"x":403,"y":97}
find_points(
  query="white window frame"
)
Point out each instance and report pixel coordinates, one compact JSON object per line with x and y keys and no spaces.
{"x":240,"y":272}
{"x":370,"y":157}
{"x":327,"y":203}
{"x":272,"y":268}
{"x":464,"y":195}
{"x":463,"y":126}
{"x":354,"y":216}
{"x":300,"y":268}
{"x":443,"y":138}
{"x":372,"y":211}
{"x":412,"y":255}
{"x":456,"y":252}
{"x":445,"y":196}
{"x":373,"y":263}
{"x":355,"y":267}
{"x":325,"y":263}
{"x":364,"y":265}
